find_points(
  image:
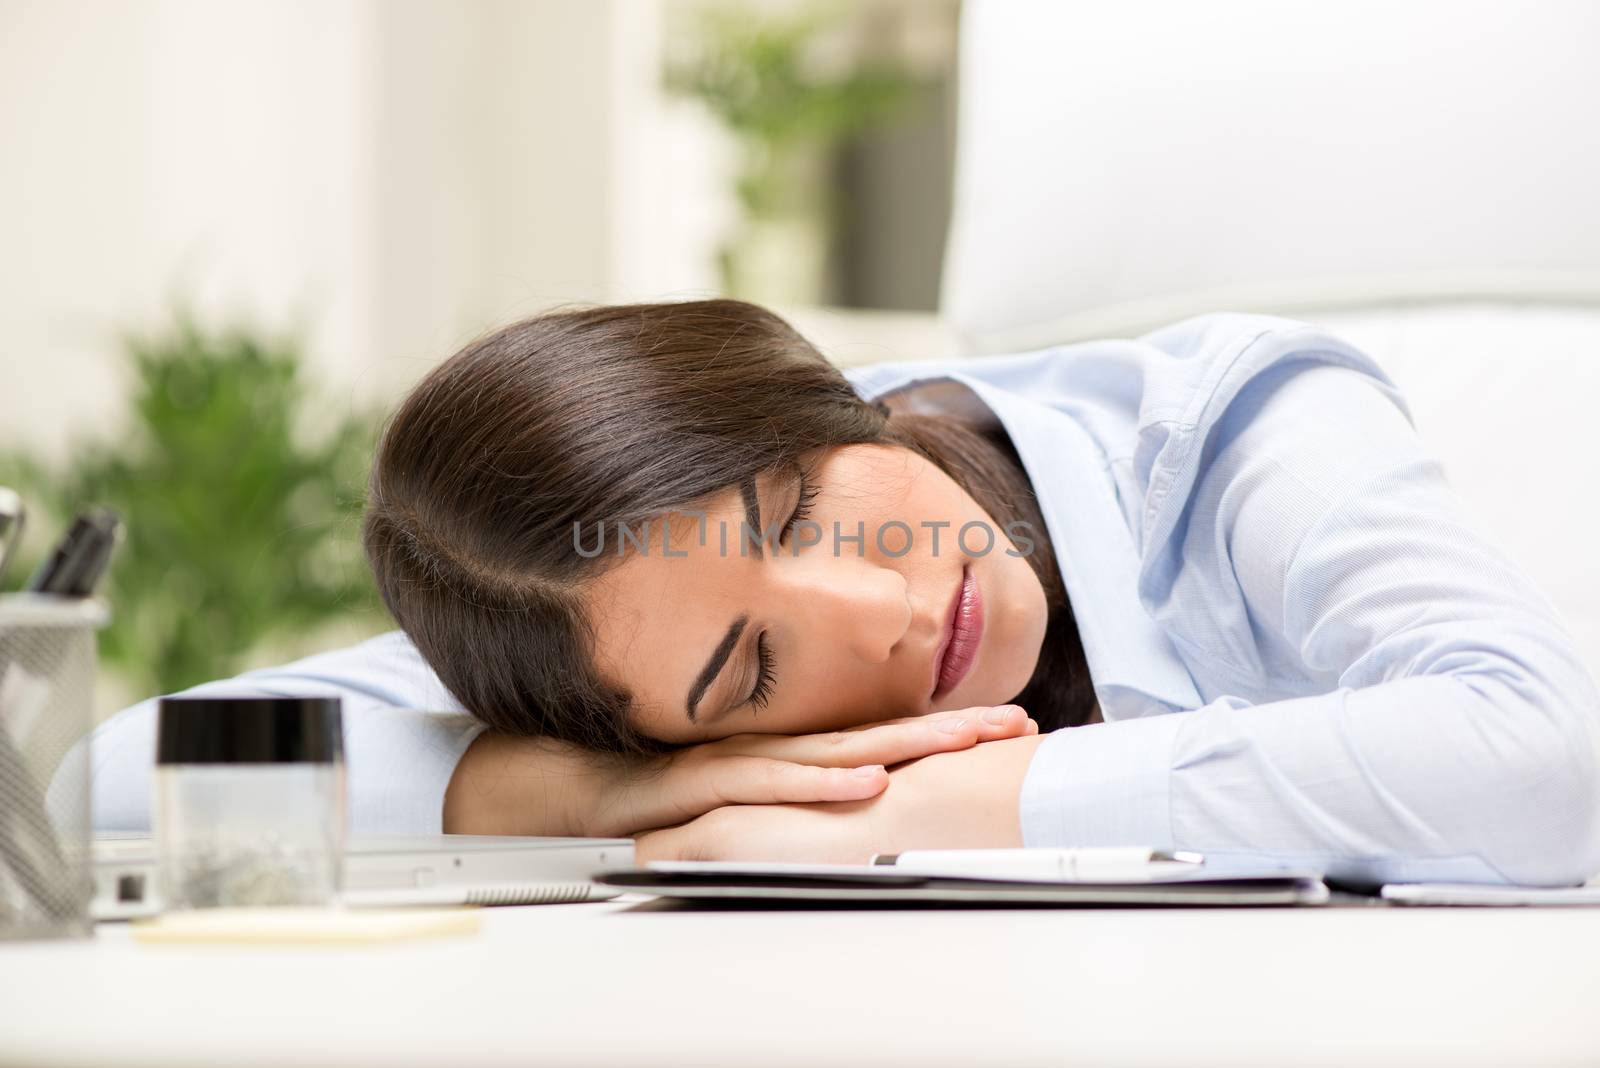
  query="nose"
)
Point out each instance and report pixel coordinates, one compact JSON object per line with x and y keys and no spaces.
{"x":848,"y":600}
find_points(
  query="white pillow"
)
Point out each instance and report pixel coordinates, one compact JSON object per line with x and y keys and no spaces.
{"x":1125,"y":165}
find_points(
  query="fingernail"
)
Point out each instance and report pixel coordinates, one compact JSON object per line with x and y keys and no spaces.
{"x":998,"y":715}
{"x":948,"y":726}
{"x":866,"y":771}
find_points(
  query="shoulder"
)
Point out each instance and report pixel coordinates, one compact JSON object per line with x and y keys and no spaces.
{"x":1200,"y":366}
{"x":1212,"y":375}
{"x":387,"y":668}
{"x":1285,"y":423}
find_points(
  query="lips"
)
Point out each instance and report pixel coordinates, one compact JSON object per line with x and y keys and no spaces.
{"x":963,"y":629}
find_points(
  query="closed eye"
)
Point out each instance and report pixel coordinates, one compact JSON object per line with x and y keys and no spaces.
{"x":802,"y":508}
{"x":766,"y":678}
{"x":766,"y":673}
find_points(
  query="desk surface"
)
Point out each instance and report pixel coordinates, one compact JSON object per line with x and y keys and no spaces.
{"x":642,"y":982}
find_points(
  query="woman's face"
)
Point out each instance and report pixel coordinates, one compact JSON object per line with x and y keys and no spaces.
{"x":812,"y":632}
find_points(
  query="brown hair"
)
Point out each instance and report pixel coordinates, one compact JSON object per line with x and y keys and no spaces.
{"x":622,"y":413}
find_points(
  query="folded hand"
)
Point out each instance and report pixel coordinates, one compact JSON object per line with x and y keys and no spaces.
{"x":962,"y":799}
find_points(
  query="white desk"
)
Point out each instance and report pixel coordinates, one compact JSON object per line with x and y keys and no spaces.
{"x":630,"y":982}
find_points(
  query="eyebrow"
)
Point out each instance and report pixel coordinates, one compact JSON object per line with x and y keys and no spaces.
{"x":719,"y":656}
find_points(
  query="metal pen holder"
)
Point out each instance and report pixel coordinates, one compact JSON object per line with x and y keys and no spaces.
{"x":47,"y":670}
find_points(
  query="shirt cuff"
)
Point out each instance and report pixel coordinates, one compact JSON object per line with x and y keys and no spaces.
{"x":1104,"y":784}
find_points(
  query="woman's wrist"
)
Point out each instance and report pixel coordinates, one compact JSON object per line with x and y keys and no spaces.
{"x":967,"y":799}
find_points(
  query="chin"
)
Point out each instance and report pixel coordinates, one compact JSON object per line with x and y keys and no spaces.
{"x":999,"y":686}
{"x":1012,"y":678}
{"x":1006,"y":692}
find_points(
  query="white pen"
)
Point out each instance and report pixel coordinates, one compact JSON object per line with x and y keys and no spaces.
{"x":1101,"y":864}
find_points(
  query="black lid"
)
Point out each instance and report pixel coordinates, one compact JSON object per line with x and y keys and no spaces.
{"x":249,"y":730}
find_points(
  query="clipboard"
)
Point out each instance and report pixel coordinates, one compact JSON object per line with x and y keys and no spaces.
{"x":866,"y":883}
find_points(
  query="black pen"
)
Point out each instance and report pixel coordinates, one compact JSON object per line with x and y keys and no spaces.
{"x":13,"y":516}
{"x":75,"y":565}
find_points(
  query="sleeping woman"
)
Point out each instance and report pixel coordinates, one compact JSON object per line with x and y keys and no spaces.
{"x":662,"y":571}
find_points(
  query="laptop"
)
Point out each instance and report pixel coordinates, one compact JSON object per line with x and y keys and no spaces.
{"x":444,"y":869}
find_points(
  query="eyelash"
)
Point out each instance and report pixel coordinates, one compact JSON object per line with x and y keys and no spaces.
{"x":766,"y":677}
{"x":802,"y":508}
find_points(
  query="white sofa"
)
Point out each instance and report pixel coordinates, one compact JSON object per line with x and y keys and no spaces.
{"x":1418,"y":177}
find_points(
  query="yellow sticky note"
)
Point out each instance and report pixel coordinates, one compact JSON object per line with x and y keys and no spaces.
{"x":300,"y":926}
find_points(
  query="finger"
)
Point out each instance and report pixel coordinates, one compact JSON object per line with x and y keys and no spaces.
{"x":887,"y":744}
{"x":1006,"y":727}
{"x":667,"y":844}
{"x":992,"y":721}
{"x":1000,"y":721}
{"x":756,"y":780}
{"x":705,"y":778}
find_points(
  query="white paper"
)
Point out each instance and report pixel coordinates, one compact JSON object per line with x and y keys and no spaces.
{"x":1197,"y":874}
{"x":1484,"y":894}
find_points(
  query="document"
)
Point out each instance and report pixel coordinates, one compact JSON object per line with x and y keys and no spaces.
{"x":1164,"y":880}
{"x":1484,"y":894}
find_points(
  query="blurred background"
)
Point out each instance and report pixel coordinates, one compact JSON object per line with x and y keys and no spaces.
{"x":236,"y":231}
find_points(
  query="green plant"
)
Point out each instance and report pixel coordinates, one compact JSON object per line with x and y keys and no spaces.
{"x":238,"y":499}
{"x":761,"y":75}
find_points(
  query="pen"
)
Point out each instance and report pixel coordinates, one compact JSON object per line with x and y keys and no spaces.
{"x":75,"y":565}
{"x":1099,"y":864}
{"x":12,"y":518}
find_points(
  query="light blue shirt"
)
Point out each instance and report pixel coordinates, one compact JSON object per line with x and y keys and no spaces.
{"x":1304,"y":651}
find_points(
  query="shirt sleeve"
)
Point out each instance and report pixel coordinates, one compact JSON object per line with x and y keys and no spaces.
{"x":403,"y":736}
{"x":1455,"y":738}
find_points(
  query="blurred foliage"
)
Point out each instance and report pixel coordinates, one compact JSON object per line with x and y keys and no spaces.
{"x":240,"y":505}
{"x":765,"y":76}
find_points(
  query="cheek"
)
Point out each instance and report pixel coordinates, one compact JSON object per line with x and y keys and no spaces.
{"x":935,"y":496}
{"x":879,"y":485}
{"x":1016,"y":616}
